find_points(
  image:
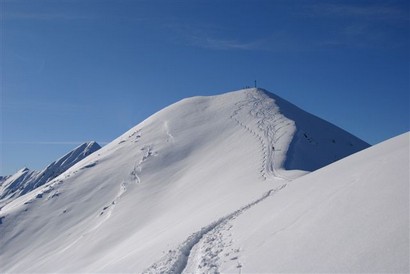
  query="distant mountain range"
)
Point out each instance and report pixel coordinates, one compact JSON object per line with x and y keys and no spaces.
{"x":243,"y":182}
{"x":26,"y":180}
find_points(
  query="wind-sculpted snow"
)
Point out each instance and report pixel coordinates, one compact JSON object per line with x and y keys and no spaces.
{"x":165,"y":195}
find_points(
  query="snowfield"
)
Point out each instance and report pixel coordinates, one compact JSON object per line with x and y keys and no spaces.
{"x":235,"y":183}
{"x":349,"y":217}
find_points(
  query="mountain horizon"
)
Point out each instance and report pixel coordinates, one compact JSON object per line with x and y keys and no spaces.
{"x":26,"y":180}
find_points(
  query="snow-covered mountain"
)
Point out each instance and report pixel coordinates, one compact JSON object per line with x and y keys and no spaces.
{"x":25,"y":180}
{"x":168,"y":196}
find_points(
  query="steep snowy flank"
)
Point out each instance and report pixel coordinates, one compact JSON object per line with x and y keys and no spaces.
{"x":148,"y":200}
{"x":313,"y":135}
{"x":26,"y":180}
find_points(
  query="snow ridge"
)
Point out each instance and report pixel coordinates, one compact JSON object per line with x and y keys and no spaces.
{"x":176,"y":261}
{"x":26,"y":180}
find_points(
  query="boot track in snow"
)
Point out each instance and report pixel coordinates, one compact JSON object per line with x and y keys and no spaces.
{"x":270,"y":129}
{"x":177,"y":260}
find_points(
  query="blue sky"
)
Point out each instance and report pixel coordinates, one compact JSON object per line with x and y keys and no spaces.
{"x":79,"y":70}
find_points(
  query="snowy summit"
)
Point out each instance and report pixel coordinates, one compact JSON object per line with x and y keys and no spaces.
{"x":242,"y":182}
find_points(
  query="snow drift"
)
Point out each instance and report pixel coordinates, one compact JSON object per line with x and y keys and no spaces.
{"x":163,"y":197}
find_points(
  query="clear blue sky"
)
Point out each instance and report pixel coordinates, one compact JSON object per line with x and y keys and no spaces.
{"x":79,"y":70}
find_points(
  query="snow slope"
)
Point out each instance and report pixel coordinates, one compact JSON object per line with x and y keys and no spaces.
{"x":349,"y":217}
{"x":25,"y":180}
{"x":145,"y":201}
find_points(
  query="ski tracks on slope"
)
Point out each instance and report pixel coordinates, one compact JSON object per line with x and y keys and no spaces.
{"x":203,"y":250}
{"x":133,"y":179}
{"x":260,"y":141}
{"x":271,"y":128}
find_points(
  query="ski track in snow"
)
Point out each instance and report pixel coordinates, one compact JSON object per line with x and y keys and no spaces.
{"x":201,"y":251}
{"x":168,"y":132}
{"x":134,"y":178}
{"x":272,"y":126}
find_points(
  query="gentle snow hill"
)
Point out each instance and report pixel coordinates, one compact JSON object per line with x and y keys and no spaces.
{"x":349,"y":217}
{"x":25,"y":180}
{"x":145,"y":201}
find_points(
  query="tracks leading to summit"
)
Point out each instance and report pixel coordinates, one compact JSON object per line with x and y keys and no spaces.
{"x":269,"y":129}
{"x":204,"y":250}
{"x":203,"y":247}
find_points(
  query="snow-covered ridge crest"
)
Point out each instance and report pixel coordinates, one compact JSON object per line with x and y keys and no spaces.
{"x":290,"y":138}
{"x":25,"y":180}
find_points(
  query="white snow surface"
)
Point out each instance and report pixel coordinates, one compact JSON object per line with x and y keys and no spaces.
{"x":214,"y":184}
{"x":349,"y":217}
